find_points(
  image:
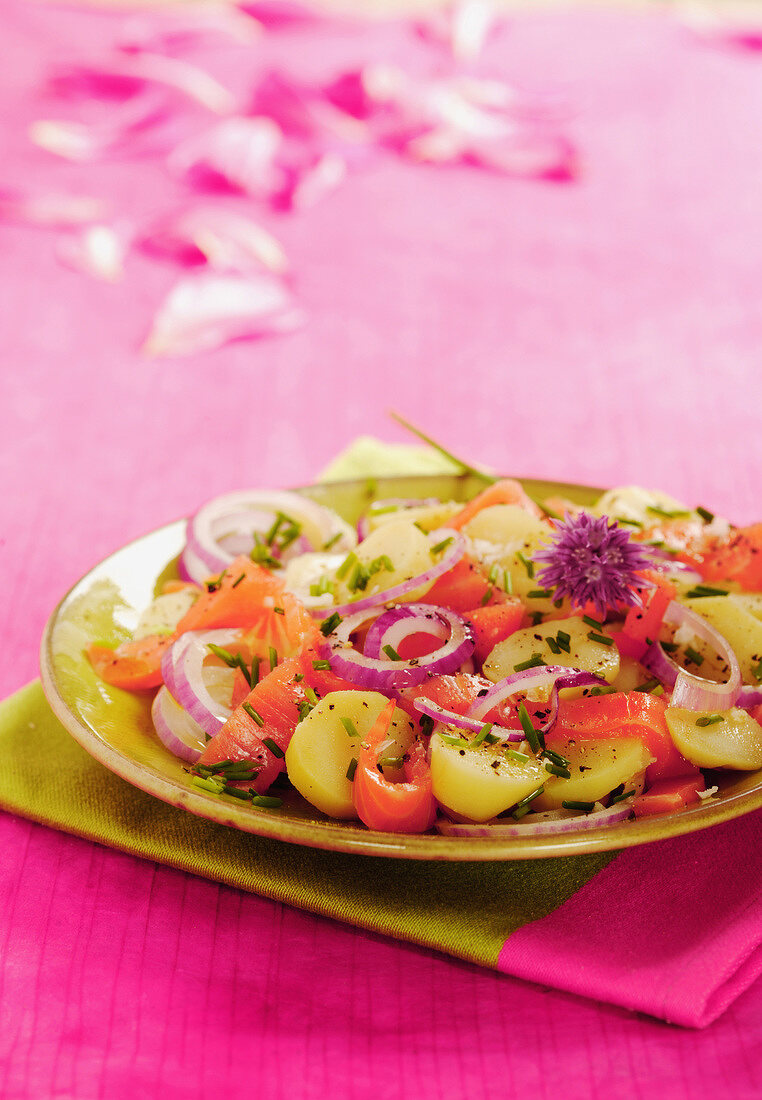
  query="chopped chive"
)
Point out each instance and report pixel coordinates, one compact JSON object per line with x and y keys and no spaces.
{"x":321,"y":666}
{"x":563,"y":640}
{"x":311,"y":696}
{"x":630,"y":522}
{"x":274,"y":748}
{"x":533,"y":736}
{"x":276,"y":526}
{"x":701,"y":590}
{"x":253,"y":714}
{"x":236,"y":792}
{"x":494,"y":573}
{"x":524,"y":803}
{"x":709,"y":719}
{"x":555,"y":758}
{"x":279,"y":610}
{"x":298,"y":677}
{"x":535,"y":661}
{"x":677,"y":513}
{"x":586,"y":807}
{"x":620,"y":796}
{"x":350,"y":773}
{"x":705,"y":514}
{"x":555,"y":769}
{"x":215,"y":583}
{"x":553,"y":645}
{"x":391,"y":761}
{"x":346,"y":565}
{"x":254,"y":674}
{"x":272,"y":656}
{"x":507,"y":582}
{"x":207,"y":784}
{"x":535,"y":617}
{"x":232,"y":661}
{"x":266,"y":801}
{"x":329,"y":625}
{"x":304,"y":709}
{"x":592,"y":622}
{"x":391,"y":653}
{"x":440,"y":546}
{"x":757,"y":671}
{"x":693,"y":656}
{"x":481,"y":735}
{"x":598,"y":690}
{"x":452,"y":740}
{"x":527,"y":563}
{"x":521,"y":811}
{"x":514,"y":754}
{"x":486,"y":597}
{"x":349,"y":726}
{"x":332,"y":541}
{"x":238,"y":580}
{"x":378,"y":508}
{"x":670,"y":647}
{"x":602,"y":638}
{"x":539,"y":593}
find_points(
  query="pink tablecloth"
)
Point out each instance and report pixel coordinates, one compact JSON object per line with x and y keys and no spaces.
{"x":606,"y":330}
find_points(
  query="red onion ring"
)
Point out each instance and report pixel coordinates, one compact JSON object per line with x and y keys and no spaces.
{"x":556,"y":677}
{"x":690,"y":691}
{"x":610,"y":815}
{"x":235,"y":516}
{"x":182,"y":669}
{"x":451,"y":557}
{"x":177,"y":731}
{"x":388,"y":676}
{"x":461,"y":721}
{"x":392,"y":627}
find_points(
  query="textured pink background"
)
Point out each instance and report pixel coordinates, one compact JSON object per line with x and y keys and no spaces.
{"x":604,"y":331}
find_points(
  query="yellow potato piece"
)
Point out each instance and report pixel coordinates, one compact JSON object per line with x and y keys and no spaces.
{"x":740,"y":628}
{"x":597,"y":768}
{"x":479,"y":783}
{"x":735,"y":742}
{"x":502,"y":532}
{"x":591,"y":656}
{"x":427,"y":516}
{"x":321,"y":749}
{"x":408,"y":550}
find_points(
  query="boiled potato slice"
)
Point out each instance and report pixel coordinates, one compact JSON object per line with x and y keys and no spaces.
{"x":479,"y":783}
{"x":737,"y":624}
{"x":321,"y":749}
{"x":427,"y":516}
{"x":630,"y":502}
{"x":735,"y":742}
{"x":591,"y":656}
{"x":407,"y":549}
{"x":631,"y":675}
{"x":499,"y":535}
{"x":597,"y":768}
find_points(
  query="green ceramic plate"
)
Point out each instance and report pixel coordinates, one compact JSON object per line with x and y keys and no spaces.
{"x":115,"y":727}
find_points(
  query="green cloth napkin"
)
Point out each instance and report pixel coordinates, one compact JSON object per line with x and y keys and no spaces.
{"x":464,"y":909}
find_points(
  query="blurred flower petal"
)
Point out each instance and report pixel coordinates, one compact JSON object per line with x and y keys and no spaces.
{"x":115,"y":131}
{"x":526,"y":154}
{"x":725,"y":24}
{"x":207,"y":310}
{"x":126,"y":76}
{"x":463,"y":28}
{"x":98,"y":251}
{"x":278,"y":15}
{"x":316,"y":180}
{"x":52,"y":210}
{"x":186,"y":25}
{"x":225,"y":239}
{"x":238,"y":154}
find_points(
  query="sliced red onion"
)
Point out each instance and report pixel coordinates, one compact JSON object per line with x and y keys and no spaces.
{"x":182,"y":667}
{"x":690,"y":691}
{"x":749,"y":697}
{"x":556,"y":677}
{"x":398,"y":623}
{"x":450,"y":557}
{"x":379,"y":674}
{"x":461,"y":721}
{"x":538,"y":824}
{"x":177,"y":731}
{"x":227,"y":523}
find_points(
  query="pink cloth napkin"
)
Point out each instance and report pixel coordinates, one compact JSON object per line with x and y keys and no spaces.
{"x":604,"y":330}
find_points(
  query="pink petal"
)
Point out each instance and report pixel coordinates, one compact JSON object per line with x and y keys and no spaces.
{"x":224,"y":239}
{"x":51,"y":211}
{"x":117,"y":130}
{"x":98,"y":251}
{"x":312,"y":182}
{"x":238,"y":154}
{"x":206,"y":310}
{"x":278,"y":15}
{"x":529,"y":154}
{"x":187,"y":25}
{"x":463,"y":28}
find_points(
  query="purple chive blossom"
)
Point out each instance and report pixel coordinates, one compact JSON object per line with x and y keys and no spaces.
{"x":592,"y":561}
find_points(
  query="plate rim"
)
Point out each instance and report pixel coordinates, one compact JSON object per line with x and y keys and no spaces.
{"x":352,"y":837}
